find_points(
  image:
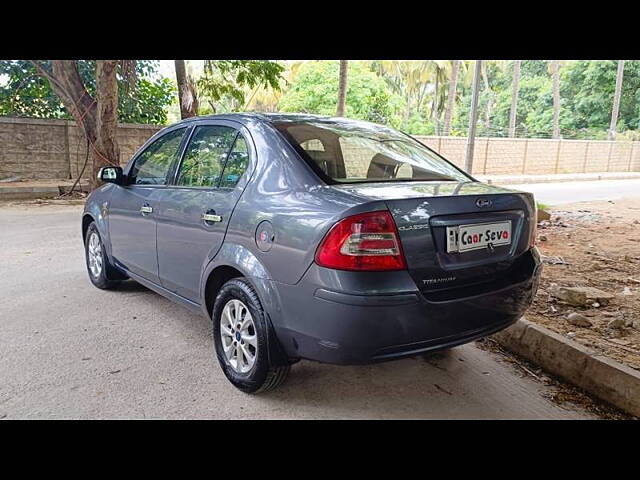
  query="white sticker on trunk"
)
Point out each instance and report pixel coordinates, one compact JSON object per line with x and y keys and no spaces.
{"x":463,"y":238}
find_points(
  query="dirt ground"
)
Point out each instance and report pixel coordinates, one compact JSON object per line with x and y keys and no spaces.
{"x":594,"y":244}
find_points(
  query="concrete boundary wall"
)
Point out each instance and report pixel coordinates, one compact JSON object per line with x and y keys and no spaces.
{"x":39,"y":149}
{"x":531,"y":156}
{"x":42,"y":149}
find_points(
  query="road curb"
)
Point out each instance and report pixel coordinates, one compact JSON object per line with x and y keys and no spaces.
{"x":602,"y":377}
{"x":30,"y":192}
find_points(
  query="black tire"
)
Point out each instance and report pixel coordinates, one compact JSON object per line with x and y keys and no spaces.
{"x":108,"y":277}
{"x":262,"y":376}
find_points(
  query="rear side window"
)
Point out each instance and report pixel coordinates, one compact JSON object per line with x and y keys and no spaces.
{"x":205,"y":157}
{"x":153,"y":164}
{"x":236,"y":164}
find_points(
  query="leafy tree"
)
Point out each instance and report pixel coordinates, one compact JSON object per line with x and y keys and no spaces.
{"x":588,"y":88}
{"x":26,"y":93}
{"x":415,"y":81}
{"x":315,"y":90}
{"x":534,"y":106}
{"x":96,"y":115}
{"x":225,"y":82}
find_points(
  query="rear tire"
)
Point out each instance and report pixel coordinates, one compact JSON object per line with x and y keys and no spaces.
{"x":240,"y":336}
{"x":101,"y":273}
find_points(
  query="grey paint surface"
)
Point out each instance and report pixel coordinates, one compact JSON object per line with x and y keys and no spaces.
{"x":61,"y":338}
{"x":571,"y":192}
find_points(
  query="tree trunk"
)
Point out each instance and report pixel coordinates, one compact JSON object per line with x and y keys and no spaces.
{"x":68,"y":86}
{"x":451,"y":101}
{"x":555,"y":72}
{"x":473,"y":117}
{"x":434,"y":105}
{"x":514,"y":98}
{"x":98,"y":118}
{"x":186,"y":91}
{"x":616,"y":101}
{"x":107,"y":151}
{"x":342,"y":88}
{"x":489,"y":108}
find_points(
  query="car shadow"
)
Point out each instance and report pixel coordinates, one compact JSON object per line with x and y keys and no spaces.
{"x":132,"y":286}
{"x":407,"y":388}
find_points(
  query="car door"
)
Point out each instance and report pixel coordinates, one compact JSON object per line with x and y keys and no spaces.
{"x":195,"y":210}
{"x":133,"y":207}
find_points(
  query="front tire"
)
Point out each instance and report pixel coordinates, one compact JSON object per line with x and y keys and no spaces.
{"x":101,"y":273}
{"x":240,"y":333}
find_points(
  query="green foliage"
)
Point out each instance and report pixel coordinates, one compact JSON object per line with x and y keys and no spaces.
{"x":149,"y":102}
{"x":224,"y":82}
{"x":586,"y":98}
{"x":401,"y":94}
{"x":26,"y":94}
{"x":418,"y":125}
{"x":315,"y":90}
{"x":589,"y":86}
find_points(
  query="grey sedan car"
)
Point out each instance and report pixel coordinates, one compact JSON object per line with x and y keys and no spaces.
{"x":308,"y":237}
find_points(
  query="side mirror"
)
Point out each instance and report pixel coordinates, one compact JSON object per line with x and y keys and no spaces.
{"x":111,"y":175}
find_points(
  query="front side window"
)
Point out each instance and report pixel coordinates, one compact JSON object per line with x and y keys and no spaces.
{"x":205,"y":157}
{"x":353,"y":153}
{"x":152,"y":165}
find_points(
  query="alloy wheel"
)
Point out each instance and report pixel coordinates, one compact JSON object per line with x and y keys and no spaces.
{"x":238,"y":334}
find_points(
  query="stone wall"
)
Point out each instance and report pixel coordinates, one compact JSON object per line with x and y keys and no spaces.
{"x":56,"y":149}
{"x":38,"y":149}
{"x":501,"y":156}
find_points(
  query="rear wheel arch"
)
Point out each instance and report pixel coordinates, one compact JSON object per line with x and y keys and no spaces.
{"x":232,"y":259}
{"x":215,"y":280}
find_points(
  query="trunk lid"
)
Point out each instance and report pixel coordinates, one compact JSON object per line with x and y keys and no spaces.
{"x":428,"y":213}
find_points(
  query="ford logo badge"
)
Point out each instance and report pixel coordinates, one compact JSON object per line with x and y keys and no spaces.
{"x":483,"y":203}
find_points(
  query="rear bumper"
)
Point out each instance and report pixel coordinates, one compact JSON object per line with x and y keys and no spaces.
{"x":318,"y":322}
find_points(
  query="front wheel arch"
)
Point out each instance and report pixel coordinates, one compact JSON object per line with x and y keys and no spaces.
{"x":86,"y":221}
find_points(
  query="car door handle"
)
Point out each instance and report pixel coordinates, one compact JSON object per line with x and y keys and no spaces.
{"x":211,"y":217}
{"x":146,"y":209}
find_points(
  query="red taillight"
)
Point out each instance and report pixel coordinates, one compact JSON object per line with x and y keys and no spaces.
{"x":367,"y":241}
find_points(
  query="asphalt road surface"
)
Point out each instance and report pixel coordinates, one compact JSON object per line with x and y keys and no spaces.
{"x":70,"y":350}
{"x":572,"y":192}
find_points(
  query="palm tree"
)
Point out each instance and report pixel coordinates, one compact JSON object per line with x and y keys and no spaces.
{"x":439,"y":70}
{"x":514,"y":98}
{"x":266,"y":99}
{"x":491,"y":95}
{"x":412,"y":80}
{"x":555,"y":73}
{"x":616,"y":101}
{"x":451,"y":99}
{"x":342,"y":88}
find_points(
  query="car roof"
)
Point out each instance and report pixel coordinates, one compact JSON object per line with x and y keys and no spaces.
{"x":246,"y":117}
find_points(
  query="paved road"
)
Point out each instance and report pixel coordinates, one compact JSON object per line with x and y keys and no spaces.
{"x":571,"y":192}
{"x":69,"y":350}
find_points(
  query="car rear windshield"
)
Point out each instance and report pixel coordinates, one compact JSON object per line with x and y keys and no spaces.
{"x":350,"y":153}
